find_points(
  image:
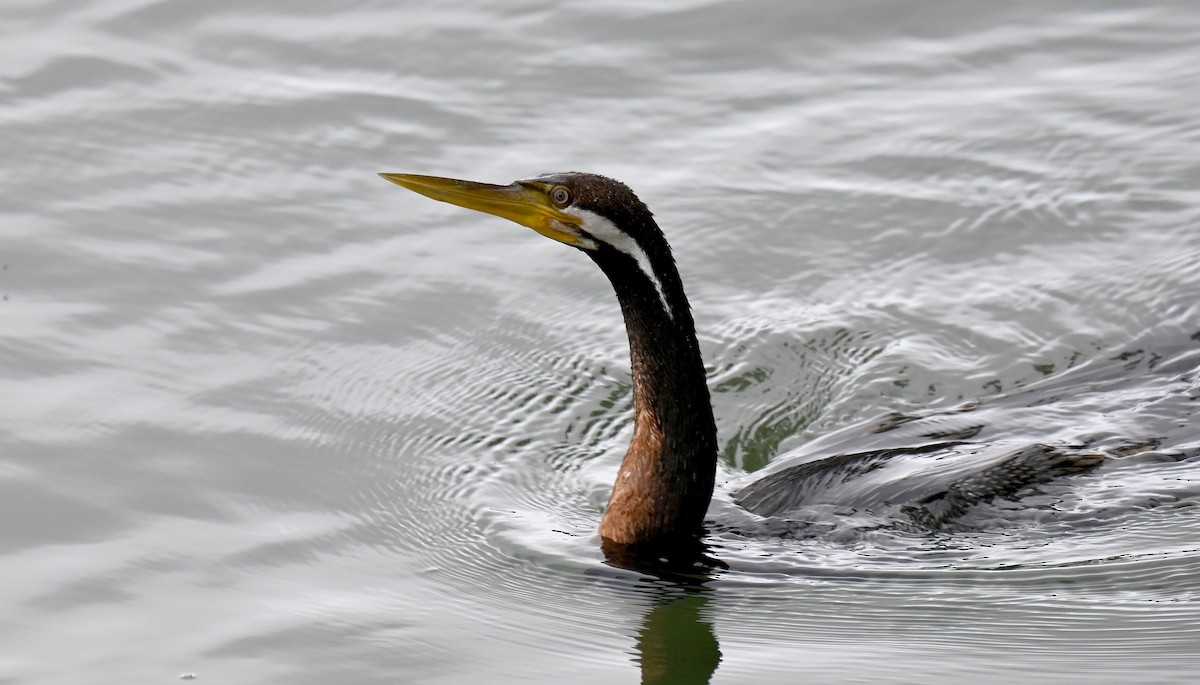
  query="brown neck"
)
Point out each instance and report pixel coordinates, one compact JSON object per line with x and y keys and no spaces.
{"x":665,"y":482}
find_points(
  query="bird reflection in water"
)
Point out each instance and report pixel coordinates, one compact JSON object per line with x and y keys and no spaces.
{"x":676,"y":643}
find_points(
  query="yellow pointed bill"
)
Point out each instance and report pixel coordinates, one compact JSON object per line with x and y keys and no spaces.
{"x":525,"y":202}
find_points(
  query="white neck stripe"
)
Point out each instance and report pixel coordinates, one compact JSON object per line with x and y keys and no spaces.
{"x":607,"y":232}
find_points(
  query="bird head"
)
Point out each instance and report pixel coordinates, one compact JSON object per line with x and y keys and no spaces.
{"x":593,"y":213}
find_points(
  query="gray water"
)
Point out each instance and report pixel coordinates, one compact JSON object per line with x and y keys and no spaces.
{"x":266,"y":418}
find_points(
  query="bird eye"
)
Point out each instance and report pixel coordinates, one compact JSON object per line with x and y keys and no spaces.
{"x":561,"y":196}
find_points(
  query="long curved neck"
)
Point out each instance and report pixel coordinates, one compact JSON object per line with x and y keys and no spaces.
{"x":665,"y":482}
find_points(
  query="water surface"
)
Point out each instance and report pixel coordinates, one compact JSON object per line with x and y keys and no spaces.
{"x":265,"y":417}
